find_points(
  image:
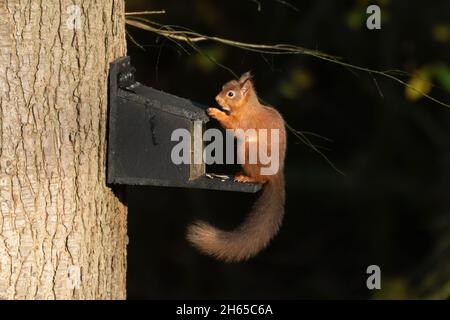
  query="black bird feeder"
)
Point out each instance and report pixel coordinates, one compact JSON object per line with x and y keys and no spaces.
{"x":141,"y":121}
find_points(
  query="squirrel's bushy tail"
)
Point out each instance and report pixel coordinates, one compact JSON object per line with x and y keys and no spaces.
{"x":253,"y":235}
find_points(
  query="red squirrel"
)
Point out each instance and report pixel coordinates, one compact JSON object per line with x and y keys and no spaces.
{"x":241,"y":109}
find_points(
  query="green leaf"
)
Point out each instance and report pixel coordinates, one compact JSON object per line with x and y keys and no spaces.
{"x":442,"y":74}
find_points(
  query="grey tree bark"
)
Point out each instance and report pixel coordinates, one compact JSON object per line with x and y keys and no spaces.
{"x":62,"y":230}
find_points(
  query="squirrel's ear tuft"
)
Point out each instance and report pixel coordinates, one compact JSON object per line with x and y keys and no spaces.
{"x":245,"y":81}
{"x":246,"y":76}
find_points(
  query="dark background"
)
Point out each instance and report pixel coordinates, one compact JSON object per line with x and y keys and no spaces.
{"x":392,"y":206}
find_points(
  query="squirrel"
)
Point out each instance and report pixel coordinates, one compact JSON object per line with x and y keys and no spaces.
{"x":241,"y":109}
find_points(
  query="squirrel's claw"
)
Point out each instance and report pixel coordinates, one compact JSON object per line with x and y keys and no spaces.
{"x":243,"y":178}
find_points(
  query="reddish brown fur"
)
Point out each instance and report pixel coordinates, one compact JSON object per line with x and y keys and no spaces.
{"x":244,"y":111}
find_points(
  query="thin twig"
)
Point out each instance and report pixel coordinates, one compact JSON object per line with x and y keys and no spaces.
{"x":290,"y":5}
{"x":137,"y":13}
{"x":134,"y":41}
{"x":191,"y":36}
{"x":307,"y":142}
{"x":258,"y":3}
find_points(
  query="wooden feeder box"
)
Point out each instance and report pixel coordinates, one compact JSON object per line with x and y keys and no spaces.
{"x":141,"y":121}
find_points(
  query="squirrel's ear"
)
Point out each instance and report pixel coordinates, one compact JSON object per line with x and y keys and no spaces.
{"x":246,"y":82}
{"x":245,"y":87}
{"x":246,"y":76}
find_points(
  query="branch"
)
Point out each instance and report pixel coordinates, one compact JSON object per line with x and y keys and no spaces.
{"x":183,"y":34}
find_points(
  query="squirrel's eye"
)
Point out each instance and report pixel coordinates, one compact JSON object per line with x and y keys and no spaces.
{"x":230,"y":94}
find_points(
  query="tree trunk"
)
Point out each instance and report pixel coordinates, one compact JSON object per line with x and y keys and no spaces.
{"x":62,"y":230}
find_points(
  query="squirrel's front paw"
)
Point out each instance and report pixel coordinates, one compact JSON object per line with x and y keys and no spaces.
{"x":214,"y":112}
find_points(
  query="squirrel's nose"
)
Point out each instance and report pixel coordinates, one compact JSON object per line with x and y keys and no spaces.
{"x":217,"y":98}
